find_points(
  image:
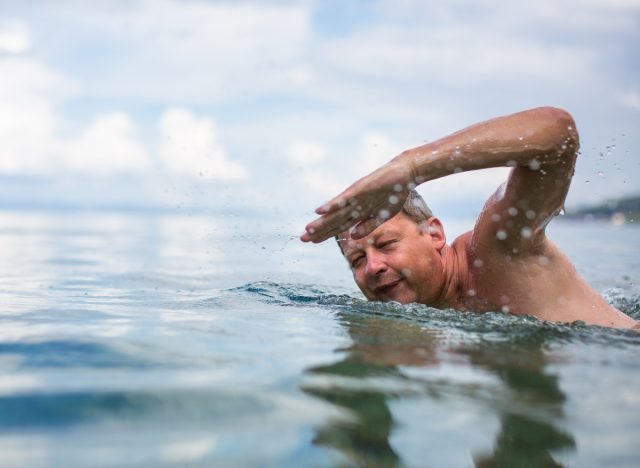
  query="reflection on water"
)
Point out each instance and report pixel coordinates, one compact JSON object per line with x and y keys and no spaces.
{"x":379,"y":347}
{"x":530,"y":431}
{"x":153,"y":340}
{"x":530,"y":418}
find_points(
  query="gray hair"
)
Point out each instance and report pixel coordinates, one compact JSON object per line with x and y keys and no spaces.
{"x":415,"y":208}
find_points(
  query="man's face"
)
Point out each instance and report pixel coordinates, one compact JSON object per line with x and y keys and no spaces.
{"x":399,"y":261}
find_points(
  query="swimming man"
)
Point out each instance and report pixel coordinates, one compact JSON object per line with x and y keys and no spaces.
{"x":398,"y":251}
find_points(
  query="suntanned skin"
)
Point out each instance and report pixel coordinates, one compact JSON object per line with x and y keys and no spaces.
{"x":506,"y":262}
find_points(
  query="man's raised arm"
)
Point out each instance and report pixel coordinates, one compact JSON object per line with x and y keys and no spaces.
{"x":540,"y":144}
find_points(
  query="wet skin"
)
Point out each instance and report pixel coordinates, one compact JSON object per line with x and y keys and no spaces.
{"x":506,"y":262}
{"x":399,"y":261}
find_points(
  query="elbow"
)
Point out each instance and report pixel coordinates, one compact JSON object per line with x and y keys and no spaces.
{"x":563,"y":127}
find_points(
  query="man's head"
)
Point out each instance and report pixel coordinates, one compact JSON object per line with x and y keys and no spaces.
{"x":414,"y":207}
{"x":400,"y":260}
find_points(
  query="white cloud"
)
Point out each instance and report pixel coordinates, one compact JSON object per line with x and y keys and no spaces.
{"x":376,"y":149}
{"x":28,"y":122}
{"x":475,"y":185}
{"x":108,"y":146}
{"x":305,"y":153}
{"x":192,"y":52}
{"x":453,"y":54}
{"x":631,"y":100}
{"x":325,"y":182}
{"x":189,"y":146}
{"x":414,"y":69}
{"x":312,"y":168}
{"x":14,"y":37}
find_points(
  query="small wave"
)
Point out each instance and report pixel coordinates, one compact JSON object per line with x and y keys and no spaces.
{"x":630,"y":305}
{"x":486,"y":325}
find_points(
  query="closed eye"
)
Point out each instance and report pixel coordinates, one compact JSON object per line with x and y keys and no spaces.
{"x":357,"y":261}
{"x":386,"y":245}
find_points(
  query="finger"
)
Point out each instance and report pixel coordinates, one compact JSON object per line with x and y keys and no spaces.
{"x":333,"y":224}
{"x":365,"y":227}
{"x":332,"y":205}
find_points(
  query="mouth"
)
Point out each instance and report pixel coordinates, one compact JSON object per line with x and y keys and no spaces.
{"x":386,"y":289}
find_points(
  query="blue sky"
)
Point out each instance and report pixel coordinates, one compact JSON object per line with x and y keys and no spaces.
{"x":275,"y":106}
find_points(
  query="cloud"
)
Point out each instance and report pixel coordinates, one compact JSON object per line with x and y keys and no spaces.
{"x":208,"y":90}
{"x":305,"y":153}
{"x":453,"y":54}
{"x":14,"y":37}
{"x":36,"y":139}
{"x":195,"y":52}
{"x":108,"y":146}
{"x":631,"y":100}
{"x":28,"y":122}
{"x":312,"y":169}
{"x":376,"y":149}
{"x":189,"y":146}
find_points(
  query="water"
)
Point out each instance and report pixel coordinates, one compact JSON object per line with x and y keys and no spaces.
{"x":175,"y":340}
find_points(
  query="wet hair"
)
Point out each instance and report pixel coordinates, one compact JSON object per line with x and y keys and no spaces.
{"x":415,"y":208}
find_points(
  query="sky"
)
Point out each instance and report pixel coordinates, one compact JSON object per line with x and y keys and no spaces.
{"x":273,"y":106}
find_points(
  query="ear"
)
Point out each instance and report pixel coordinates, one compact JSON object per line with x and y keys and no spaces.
{"x":433,"y":228}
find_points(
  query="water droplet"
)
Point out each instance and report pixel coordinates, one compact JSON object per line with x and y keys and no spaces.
{"x":397,"y":188}
{"x":355,"y":214}
{"x":393,"y":200}
{"x":543,"y":260}
{"x":456,"y":153}
{"x":478,"y":263}
{"x":534,"y":165}
{"x":530,"y":214}
{"x":505,"y":309}
{"x":525,"y":233}
{"x":495,"y":217}
{"x":471,"y":292}
{"x":512,"y":211}
{"x":501,"y":234}
{"x":384,"y":214}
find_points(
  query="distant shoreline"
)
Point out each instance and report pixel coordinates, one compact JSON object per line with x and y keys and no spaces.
{"x":618,"y":211}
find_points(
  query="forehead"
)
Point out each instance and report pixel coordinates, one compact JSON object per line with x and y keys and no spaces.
{"x":397,"y":225}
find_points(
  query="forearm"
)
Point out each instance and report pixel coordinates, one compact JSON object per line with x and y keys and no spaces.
{"x":537,"y":137}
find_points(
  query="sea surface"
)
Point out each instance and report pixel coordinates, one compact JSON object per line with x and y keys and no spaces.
{"x":152,"y":340}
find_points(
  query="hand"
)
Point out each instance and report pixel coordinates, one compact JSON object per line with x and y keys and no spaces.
{"x":367,"y":204}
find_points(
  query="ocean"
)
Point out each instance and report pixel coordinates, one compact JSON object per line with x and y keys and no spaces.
{"x":166,"y":339}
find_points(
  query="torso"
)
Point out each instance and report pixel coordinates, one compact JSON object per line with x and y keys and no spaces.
{"x":543,"y":284}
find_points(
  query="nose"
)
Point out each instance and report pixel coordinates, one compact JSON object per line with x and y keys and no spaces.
{"x":375,"y":264}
